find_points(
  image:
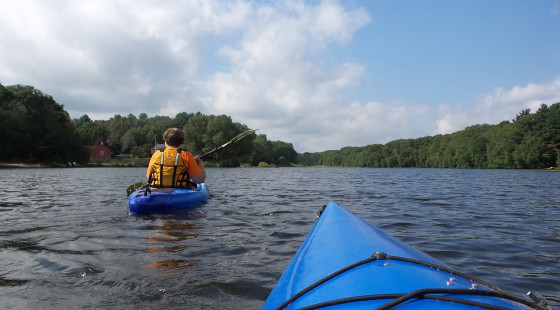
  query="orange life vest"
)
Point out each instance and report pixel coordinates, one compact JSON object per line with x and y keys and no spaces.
{"x":169,"y":170}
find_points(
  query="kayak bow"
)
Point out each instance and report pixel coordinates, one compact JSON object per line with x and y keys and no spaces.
{"x":347,"y":263}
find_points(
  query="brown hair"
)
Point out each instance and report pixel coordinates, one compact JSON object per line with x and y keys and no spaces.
{"x":174,"y":137}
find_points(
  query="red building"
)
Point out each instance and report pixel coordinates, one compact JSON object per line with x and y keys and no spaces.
{"x":100,"y":152}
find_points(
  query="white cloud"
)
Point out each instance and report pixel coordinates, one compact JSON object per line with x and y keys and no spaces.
{"x":270,"y":65}
{"x":279,"y":80}
{"x":359,"y":124}
{"x":530,"y":96}
{"x":501,"y":104}
{"x":337,"y":23}
{"x":106,"y":57}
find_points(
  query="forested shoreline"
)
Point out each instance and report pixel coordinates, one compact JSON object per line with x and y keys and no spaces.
{"x":133,"y":137}
{"x":530,"y":141}
{"x":37,"y":129}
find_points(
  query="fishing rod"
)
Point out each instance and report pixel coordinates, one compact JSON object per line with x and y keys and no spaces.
{"x":233,"y":140}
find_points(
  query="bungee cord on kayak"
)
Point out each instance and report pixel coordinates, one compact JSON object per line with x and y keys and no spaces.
{"x":417,"y":294}
{"x":400,"y":299}
{"x":381,"y":281}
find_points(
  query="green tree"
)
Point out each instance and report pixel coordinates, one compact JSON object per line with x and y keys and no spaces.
{"x":90,"y":132}
{"x":37,"y":128}
{"x":530,"y":141}
{"x":195,"y":131}
{"x":283,"y":153}
{"x":261,"y":150}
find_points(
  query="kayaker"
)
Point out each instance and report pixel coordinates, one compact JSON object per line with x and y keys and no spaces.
{"x":166,"y":169}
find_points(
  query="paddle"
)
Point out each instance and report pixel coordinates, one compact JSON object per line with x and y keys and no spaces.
{"x":138,"y":185}
{"x":233,"y":140}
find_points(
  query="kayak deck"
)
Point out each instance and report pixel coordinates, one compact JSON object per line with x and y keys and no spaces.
{"x":337,"y":266}
{"x":167,"y":199}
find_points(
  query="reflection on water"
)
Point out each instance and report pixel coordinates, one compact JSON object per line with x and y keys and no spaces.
{"x":171,"y":234}
{"x":67,"y":240}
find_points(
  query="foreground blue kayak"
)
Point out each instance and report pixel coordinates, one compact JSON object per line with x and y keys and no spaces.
{"x":347,"y":263}
{"x":158,"y":200}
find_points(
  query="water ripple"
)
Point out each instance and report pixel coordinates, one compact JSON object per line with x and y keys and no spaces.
{"x":67,"y":240}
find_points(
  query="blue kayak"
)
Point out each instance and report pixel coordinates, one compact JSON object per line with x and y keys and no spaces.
{"x":158,"y":200}
{"x":347,"y":263}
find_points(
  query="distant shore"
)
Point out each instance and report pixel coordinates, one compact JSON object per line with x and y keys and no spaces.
{"x":143,"y":162}
{"x":22,"y":165}
{"x":115,"y":163}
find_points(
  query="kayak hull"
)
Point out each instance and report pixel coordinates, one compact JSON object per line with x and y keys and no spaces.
{"x":161,"y":200}
{"x":339,"y":239}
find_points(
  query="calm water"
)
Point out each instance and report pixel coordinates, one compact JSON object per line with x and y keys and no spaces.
{"x":67,"y":240}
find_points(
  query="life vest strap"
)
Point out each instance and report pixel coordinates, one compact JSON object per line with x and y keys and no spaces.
{"x":179,"y":179}
{"x":179,"y":150}
{"x":161,"y":167}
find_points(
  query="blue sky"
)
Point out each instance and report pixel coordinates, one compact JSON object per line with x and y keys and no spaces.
{"x":319,"y":74}
{"x":458,"y":50}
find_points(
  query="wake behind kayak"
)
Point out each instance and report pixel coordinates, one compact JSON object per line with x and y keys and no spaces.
{"x":347,"y":263}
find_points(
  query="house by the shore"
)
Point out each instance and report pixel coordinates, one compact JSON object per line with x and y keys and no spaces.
{"x":100,"y":152}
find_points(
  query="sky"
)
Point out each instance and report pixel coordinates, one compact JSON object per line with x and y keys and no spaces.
{"x":319,"y":74}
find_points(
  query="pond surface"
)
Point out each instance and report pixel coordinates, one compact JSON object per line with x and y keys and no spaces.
{"x":67,"y":240}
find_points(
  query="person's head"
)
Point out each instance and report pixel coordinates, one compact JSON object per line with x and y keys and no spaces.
{"x":174,"y":137}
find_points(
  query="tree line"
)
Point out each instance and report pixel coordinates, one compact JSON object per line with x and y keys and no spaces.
{"x":530,"y":141}
{"x":35,"y":128}
{"x":132,"y":136}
